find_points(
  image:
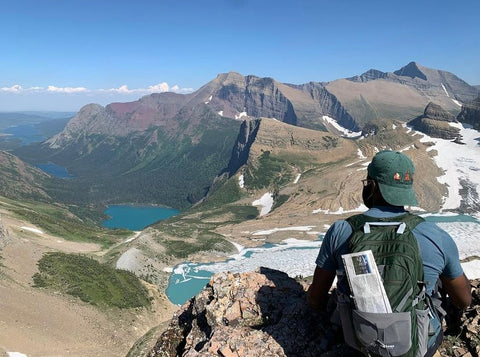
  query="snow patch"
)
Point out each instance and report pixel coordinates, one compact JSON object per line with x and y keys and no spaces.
{"x":297,"y":178}
{"x":16,"y":354}
{"x":472,"y":269}
{"x":360,"y":154}
{"x":345,"y":132}
{"x":132,"y":238}
{"x":30,"y":229}
{"x":209,"y":100}
{"x":445,"y":89}
{"x":408,"y":148}
{"x":220,"y":113}
{"x":238,"y":246}
{"x":457,"y":102}
{"x":361,"y":208}
{"x":459,"y":162}
{"x":241,"y":181}
{"x":265,"y":202}
{"x":241,"y":115}
{"x":273,"y":230}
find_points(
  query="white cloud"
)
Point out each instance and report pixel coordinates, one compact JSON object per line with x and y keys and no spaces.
{"x":156,"y":88}
{"x":13,"y":89}
{"x":161,"y":87}
{"x":67,"y":89}
{"x":18,"y":97}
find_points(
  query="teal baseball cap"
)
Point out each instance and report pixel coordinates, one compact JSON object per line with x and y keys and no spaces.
{"x":393,"y":172}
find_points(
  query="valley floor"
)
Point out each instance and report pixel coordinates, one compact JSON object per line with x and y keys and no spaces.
{"x":35,"y":322}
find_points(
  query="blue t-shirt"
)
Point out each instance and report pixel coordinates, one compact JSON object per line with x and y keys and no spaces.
{"x":438,"y":250}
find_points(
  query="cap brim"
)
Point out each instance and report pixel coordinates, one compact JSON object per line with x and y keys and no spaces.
{"x":398,"y":196}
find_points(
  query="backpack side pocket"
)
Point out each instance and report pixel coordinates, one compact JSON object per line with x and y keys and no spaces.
{"x":423,"y":324}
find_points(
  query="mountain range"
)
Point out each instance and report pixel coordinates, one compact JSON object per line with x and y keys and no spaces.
{"x":167,"y":148}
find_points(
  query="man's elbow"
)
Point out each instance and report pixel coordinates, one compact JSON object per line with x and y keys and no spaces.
{"x":459,"y":290}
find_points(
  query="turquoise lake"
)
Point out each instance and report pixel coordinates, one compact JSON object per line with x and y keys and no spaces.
{"x":136,"y":218}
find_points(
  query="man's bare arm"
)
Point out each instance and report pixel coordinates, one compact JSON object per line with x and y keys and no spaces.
{"x":317,"y":294}
{"x":459,"y":290}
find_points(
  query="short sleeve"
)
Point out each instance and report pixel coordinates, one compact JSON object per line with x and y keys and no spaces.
{"x":334,"y":244}
{"x":439,"y":252}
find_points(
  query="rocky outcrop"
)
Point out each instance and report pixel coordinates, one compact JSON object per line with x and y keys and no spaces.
{"x":470,"y":114}
{"x":436,"y":112}
{"x":435,"y":122}
{"x":328,"y":105}
{"x":264,"y":313}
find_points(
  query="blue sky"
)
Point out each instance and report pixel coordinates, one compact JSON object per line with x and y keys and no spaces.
{"x":63,"y":54}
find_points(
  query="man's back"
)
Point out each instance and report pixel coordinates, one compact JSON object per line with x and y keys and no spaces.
{"x":438,"y":250}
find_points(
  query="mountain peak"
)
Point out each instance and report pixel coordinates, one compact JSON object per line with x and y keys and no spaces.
{"x":369,"y":75}
{"x":411,"y":70}
{"x":229,"y":77}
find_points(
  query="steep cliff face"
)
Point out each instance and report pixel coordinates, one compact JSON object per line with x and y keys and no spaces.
{"x":435,"y":122}
{"x":330,"y":105}
{"x":241,"y":150}
{"x":470,"y":114}
{"x":264,"y":313}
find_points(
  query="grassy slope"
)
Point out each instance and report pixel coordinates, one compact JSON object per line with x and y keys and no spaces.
{"x":90,"y":281}
{"x":59,"y":221}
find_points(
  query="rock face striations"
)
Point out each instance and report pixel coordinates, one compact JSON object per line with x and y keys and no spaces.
{"x":435,"y":122}
{"x":264,"y":313}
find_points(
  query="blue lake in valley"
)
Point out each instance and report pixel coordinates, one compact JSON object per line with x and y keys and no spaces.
{"x":54,"y":170}
{"x":136,"y":218}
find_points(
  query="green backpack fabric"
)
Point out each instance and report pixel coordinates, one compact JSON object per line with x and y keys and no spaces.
{"x":404,"y":331}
